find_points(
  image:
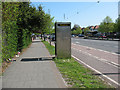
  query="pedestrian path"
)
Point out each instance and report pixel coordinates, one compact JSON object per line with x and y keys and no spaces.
{"x":32,"y":73}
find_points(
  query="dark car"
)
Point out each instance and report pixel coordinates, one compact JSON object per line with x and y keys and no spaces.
{"x":96,"y":35}
{"x":80,"y":35}
{"x":102,"y":36}
{"x":52,"y":37}
{"x":114,"y":35}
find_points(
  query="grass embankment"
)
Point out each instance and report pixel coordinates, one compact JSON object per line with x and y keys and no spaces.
{"x":75,"y":74}
{"x":51,"y":48}
{"x":0,"y":59}
{"x":0,"y":50}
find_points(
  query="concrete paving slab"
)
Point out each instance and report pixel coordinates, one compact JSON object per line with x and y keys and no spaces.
{"x":33,"y":74}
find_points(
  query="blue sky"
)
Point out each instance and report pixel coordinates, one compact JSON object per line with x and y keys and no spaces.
{"x":81,"y":13}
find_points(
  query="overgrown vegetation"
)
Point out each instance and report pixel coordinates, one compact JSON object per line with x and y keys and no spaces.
{"x":75,"y":74}
{"x":19,"y":21}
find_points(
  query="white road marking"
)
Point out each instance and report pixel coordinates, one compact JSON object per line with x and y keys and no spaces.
{"x":96,"y":70}
{"x":97,"y":49}
{"x":76,"y":42}
{"x":100,"y":59}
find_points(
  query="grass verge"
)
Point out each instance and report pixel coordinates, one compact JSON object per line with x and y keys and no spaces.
{"x":75,"y":74}
{"x":51,"y":48}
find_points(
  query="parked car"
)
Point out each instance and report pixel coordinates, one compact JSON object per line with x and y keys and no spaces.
{"x":102,"y":36}
{"x":52,"y":37}
{"x":80,"y":35}
{"x":73,"y":35}
{"x":114,"y":35}
{"x":99,"y":35}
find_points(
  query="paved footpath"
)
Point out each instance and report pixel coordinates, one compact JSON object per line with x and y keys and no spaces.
{"x":33,"y":74}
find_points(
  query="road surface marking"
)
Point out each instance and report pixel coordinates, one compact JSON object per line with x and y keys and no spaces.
{"x":96,"y":49}
{"x":100,"y":59}
{"x":76,"y":42}
{"x":96,"y":70}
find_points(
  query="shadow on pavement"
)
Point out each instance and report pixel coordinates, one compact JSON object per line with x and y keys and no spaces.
{"x":37,"y":59}
{"x":36,"y":41}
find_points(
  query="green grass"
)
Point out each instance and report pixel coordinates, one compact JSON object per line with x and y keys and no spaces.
{"x":51,"y":48}
{"x":75,"y":74}
{"x":0,"y":59}
{"x":0,"y":50}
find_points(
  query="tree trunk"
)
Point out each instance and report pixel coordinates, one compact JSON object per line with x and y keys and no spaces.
{"x":41,"y":36}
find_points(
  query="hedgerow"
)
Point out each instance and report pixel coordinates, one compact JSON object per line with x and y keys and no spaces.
{"x":19,"y":21}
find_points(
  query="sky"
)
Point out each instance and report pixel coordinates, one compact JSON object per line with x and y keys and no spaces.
{"x":82,"y":13}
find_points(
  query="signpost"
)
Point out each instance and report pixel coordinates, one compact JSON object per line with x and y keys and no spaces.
{"x":63,"y":39}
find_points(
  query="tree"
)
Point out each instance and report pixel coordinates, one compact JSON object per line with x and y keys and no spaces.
{"x":117,"y":25}
{"x":86,"y":30}
{"x":20,"y":20}
{"x":76,"y":29}
{"x":106,"y":26}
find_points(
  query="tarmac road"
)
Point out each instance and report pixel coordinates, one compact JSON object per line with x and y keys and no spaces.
{"x":111,"y":46}
{"x":100,"y":56}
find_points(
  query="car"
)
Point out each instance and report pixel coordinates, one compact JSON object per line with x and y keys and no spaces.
{"x":73,"y":35}
{"x":80,"y":35}
{"x":45,"y":36}
{"x":99,"y":35}
{"x":102,"y":36}
{"x":52,"y":37}
{"x":114,"y":35}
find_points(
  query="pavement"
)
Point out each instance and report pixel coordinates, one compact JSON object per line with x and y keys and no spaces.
{"x":31,"y":71}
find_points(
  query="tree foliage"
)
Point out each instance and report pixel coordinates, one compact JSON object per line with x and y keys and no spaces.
{"x":19,"y":21}
{"x":86,"y":30}
{"x":117,"y":25}
{"x":107,"y":25}
{"x":76,"y":30}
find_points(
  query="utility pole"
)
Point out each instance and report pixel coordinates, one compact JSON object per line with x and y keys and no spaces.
{"x":119,"y":9}
{"x":64,"y":16}
{"x":49,"y":29}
